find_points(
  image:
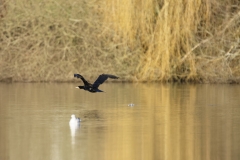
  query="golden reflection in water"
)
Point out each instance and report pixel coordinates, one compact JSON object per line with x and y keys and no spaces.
{"x":168,"y":121}
{"x":178,"y":122}
{"x":196,"y":122}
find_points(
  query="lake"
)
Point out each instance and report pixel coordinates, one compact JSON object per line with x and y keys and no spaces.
{"x":166,"y":122}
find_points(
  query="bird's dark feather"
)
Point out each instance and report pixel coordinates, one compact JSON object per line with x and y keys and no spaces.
{"x":102,"y":78}
{"x":94,"y":87}
{"x":81,"y":77}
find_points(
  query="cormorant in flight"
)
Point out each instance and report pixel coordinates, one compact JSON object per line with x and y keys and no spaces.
{"x":94,"y":87}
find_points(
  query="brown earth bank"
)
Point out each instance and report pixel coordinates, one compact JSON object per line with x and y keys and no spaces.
{"x":164,"y":40}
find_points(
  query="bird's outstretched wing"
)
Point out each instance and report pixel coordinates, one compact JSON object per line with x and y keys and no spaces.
{"x":102,"y":78}
{"x":86,"y":83}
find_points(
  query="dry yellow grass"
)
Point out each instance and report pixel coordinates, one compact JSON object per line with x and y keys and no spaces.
{"x":182,"y":40}
{"x":164,"y":40}
{"x":51,"y":40}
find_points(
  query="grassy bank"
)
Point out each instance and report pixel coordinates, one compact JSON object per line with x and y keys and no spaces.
{"x":164,"y":40}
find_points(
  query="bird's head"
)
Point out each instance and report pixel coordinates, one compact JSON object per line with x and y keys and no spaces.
{"x":80,"y":87}
{"x":73,"y":116}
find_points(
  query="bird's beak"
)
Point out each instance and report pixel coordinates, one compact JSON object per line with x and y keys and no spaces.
{"x":77,"y":87}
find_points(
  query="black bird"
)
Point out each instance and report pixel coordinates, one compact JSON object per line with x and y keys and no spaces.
{"x":94,"y":87}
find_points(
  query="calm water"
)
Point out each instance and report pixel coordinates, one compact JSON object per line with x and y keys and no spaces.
{"x":167,"y":122}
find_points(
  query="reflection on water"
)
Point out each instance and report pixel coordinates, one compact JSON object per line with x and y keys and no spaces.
{"x":167,"y":121}
{"x":74,"y":129}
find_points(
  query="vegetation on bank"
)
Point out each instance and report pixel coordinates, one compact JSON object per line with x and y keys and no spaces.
{"x":163,"y":40}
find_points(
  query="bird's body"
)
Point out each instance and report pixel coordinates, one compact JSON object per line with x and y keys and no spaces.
{"x":94,"y":87}
{"x":74,"y":120}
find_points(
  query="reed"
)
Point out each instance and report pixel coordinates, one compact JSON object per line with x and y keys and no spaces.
{"x":164,"y":40}
{"x":180,"y":40}
{"x":51,"y":40}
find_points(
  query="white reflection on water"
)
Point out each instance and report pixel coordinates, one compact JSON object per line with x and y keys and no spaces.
{"x":182,"y":122}
{"x":74,"y":128}
{"x":131,"y":104}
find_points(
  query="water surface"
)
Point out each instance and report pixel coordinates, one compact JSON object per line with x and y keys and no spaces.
{"x":168,"y":121}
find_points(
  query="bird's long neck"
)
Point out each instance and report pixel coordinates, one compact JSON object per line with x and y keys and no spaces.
{"x":81,"y":87}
